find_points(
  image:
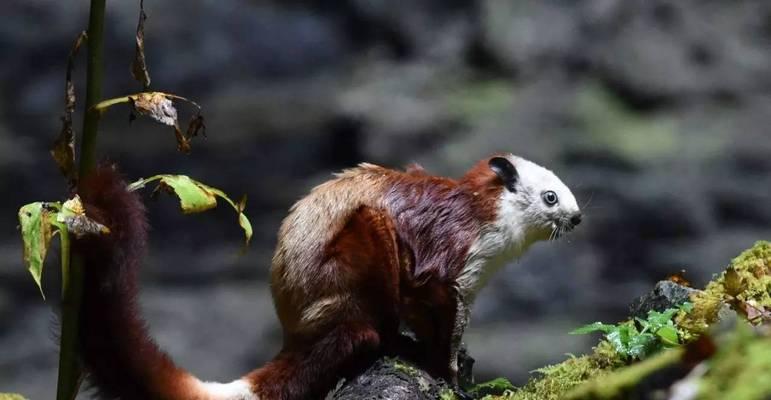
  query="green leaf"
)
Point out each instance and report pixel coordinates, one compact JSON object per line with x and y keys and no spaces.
{"x":645,"y":324}
{"x":597,"y":326}
{"x":687,"y":307}
{"x":11,"y":396}
{"x":658,"y":331}
{"x":36,"y":221}
{"x":640,"y":346}
{"x":619,"y":343}
{"x":195,"y":197}
{"x":246,"y":226}
{"x":668,"y":335}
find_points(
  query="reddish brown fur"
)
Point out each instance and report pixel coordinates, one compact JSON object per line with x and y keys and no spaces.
{"x":121,"y":359}
{"x":485,"y":187}
{"x":400,"y":241}
{"x":419,"y":229}
{"x":311,"y":362}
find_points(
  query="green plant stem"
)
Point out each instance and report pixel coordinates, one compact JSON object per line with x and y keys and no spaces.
{"x":70,"y":370}
{"x":93,"y":87}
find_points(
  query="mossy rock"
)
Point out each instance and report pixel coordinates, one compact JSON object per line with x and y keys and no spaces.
{"x":745,"y":286}
{"x":740,"y":370}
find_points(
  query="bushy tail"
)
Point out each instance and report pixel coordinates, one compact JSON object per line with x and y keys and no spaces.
{"x":121,"y":360}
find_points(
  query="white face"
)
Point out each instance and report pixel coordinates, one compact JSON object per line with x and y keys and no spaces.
{"x":534,"y":205}
{"x":540,"y":206}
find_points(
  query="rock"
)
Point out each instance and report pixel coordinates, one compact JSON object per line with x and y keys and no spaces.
{"x":394,"y":379}
{"x":666,"y":294}
{"x":389,"y":379}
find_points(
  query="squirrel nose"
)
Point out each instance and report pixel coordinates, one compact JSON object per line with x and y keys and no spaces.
{"x":575,"y":219}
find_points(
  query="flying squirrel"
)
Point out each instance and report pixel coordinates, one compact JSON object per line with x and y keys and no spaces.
{"x":363,"y":253}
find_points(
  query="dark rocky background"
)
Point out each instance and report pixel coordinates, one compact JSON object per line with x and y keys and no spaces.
{"x":656,"y":113}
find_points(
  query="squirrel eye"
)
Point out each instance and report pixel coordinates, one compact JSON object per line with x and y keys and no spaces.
{"x":549,"y":197}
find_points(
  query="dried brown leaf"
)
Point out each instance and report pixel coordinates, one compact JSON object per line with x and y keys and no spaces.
{"x":138,"y":65}
{"x":241,"y":205}
{"x":183,"y":142}
{"x":73,"y":215}
{"x":63,"y":150}
{"x":755,"y":312}
{"x":196,"y":126}
{"x":160,"y":107}
{"x":157,"y":106}
{"x":679,"y":278}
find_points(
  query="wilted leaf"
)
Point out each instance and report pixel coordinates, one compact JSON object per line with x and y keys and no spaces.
{"x":155,"y":105}
{"x":244,"y":223}
{"x":196,"y":126}
{"x":160,"y":107}
{"x":73,"y":216}
{"x":183,"y":143}
{"x":63,"y":150}
{"x":239,"y":207}
{"x":679,"y":278}
{"x":195,"y":197}
{"x":138,"y":66}
{"x":36,"y":220}
{"x":755,"y":312}
{"x":11,"y":396}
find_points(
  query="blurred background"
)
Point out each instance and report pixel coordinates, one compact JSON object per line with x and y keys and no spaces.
{"x":656,"y":113}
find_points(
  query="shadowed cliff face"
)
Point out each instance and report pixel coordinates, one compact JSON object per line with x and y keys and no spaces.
{"x":655,"y":113}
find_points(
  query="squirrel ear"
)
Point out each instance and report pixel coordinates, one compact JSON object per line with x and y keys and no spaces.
{"x":505,"y":171}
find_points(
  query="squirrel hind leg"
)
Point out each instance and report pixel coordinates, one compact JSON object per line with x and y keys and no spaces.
{"x":310,"y":372}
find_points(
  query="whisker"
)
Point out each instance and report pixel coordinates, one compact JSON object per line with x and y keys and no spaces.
{"x":591,"y":196}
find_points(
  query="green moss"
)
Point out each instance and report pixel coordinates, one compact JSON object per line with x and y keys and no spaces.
{"x":556,"y":380}
{"x":615,"y":385}
{"x":741,"y":370}
{"x":447,"y":394}
{"x":402,"y":366}
{"x":745,"y":285}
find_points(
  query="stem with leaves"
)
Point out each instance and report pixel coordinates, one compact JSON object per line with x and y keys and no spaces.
{"x":70,"y":370}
